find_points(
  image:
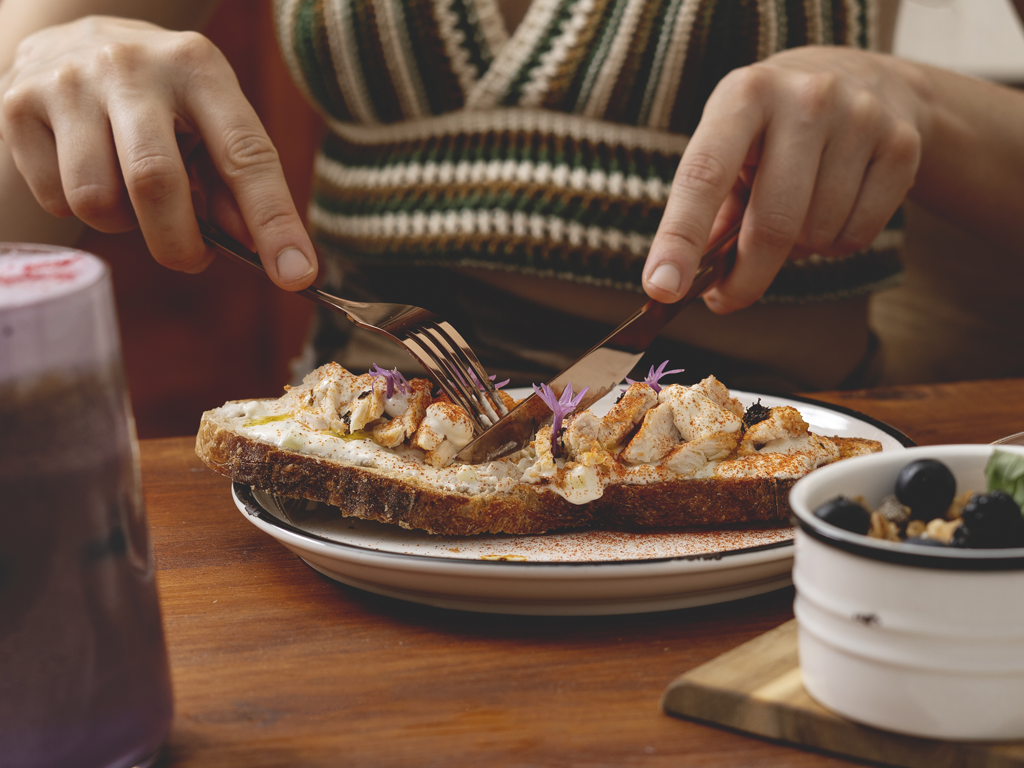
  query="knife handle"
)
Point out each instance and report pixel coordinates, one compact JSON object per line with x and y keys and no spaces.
{"x":637,"y":333}
{"x":715,"y":264}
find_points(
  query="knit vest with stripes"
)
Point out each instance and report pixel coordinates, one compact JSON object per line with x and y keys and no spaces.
{"x":550,"y":151}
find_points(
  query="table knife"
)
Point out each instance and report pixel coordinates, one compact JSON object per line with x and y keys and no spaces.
{"x":603,"y":367}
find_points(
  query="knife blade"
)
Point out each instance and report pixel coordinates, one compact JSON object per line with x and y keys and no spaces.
{"x":604,"y":366}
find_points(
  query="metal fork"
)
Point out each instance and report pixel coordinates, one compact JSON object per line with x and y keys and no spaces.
{"x":431,"y":341}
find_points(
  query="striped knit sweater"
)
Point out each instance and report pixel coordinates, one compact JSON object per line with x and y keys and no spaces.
{"x":547,"y":152}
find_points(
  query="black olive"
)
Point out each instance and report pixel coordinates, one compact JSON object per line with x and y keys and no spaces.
{"x":927,"y":487}
{"x":846,"y":514}
{"x":755,"y":414}
{"x":990,"y":521}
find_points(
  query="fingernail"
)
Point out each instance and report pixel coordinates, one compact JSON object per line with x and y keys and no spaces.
{"x":292,"y":265}
{"x":712,"y":303}
{"x":666,"y":277}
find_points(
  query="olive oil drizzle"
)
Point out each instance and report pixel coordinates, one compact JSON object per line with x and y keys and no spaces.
{"x":267,"y":420}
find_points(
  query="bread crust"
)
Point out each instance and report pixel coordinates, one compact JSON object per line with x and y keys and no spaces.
{"x":387,"y":497}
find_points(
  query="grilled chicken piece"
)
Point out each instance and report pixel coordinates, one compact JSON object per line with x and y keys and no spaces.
{"x":407,"y":411}
{"x":656,"y":437}
{"x":718,"y":393}
{"x":783,"y":423}
{"x":444,"y":431}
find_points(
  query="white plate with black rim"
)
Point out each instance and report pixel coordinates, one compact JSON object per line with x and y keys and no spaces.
{"x":577,"y":573}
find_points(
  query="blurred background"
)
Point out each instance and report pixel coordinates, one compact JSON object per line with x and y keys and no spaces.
{"x":191,"y":342}
{"x":982,"y":38}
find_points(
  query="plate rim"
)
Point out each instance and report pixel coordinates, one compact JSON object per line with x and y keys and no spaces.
{"x":901,"y":437}
{"x":246,"y":503}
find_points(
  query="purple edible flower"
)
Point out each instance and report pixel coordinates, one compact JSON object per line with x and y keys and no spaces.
{"x":560,"y":407}
{"x":476,"y":380}
{"x":480,"y":386}
{"x":393,"y":380}
{"x":651,"y":379}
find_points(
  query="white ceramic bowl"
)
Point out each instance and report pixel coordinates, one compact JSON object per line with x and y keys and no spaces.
{"x":927,"y":641}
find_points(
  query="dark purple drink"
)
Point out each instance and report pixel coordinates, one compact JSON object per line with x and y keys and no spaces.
{"x":84,"y":680}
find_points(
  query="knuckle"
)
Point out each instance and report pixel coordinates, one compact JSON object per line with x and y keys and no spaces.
{"x":152,"y":177}
{"x":774,"y":229}
{"x":121,"y":57}
{"x":94,"y":201}
{"x":700,"y":173}
{"x":814,"y":94}
{"x":66,"y":80}
{"x":904,"y":145}
{"x":864,"y":111}
{"x":193,"y":49}
{"x":266,"y":219}
{"x":248,"y":151}
{"x":676,"y":239}
{"x":18,"y":104}
{"x":747,"y":83}
{"x":24,"y":49}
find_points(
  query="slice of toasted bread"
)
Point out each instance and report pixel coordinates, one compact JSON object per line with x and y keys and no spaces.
{"x":444,"y":502}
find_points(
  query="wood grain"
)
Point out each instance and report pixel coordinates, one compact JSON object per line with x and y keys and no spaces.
{"x":979,"y":412}
{"x":756,"y":688}
{"x":276,"y":665}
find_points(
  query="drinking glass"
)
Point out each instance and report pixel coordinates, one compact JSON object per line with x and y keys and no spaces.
{"x":84,"y":679}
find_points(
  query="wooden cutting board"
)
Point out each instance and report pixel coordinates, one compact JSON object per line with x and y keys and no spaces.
{"x":757,"y":688}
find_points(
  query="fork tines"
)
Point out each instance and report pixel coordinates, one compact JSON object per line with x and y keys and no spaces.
{"x":443,"y":351}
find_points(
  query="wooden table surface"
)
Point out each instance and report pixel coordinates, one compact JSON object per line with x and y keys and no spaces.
{"x":276,"y":665}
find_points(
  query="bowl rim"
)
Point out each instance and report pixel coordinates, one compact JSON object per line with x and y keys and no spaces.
{"x":898,"y":553}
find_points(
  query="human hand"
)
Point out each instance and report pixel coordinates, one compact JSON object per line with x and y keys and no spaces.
{"x":815,"y":148}
{"x":125,"y":124}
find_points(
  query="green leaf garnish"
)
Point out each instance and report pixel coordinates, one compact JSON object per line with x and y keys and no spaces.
{"x":1005,"y":472}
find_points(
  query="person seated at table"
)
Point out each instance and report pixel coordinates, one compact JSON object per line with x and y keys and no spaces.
{"x":530,"y":170}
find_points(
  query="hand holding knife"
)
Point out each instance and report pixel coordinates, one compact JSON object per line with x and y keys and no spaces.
{"x":603,"y":367}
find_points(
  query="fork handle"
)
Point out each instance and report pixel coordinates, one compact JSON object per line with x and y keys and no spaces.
{"x":226,"y":244}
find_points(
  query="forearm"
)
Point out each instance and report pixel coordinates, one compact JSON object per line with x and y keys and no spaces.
{"x":972,"y":161}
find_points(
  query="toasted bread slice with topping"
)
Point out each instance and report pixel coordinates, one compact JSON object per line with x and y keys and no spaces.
{"x":673,"y":459}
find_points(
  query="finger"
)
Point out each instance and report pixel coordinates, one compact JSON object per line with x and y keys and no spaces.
{"x":732,"y":209}
{"x":843,"y":166}
{"x":842,"y":171}
{"x":89,"y":172}
{"x":219,"y":202}
{"x":248,"y":163}
{"x":888,"y":179}
{"x":33,"y":149}
{"x":779,"y":200}
{"x":730,"y":213}
{"x":730,"y":127}
{"x":157,"y":183}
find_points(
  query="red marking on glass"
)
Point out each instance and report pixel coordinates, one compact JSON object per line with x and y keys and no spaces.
{"x":62,"y":270}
